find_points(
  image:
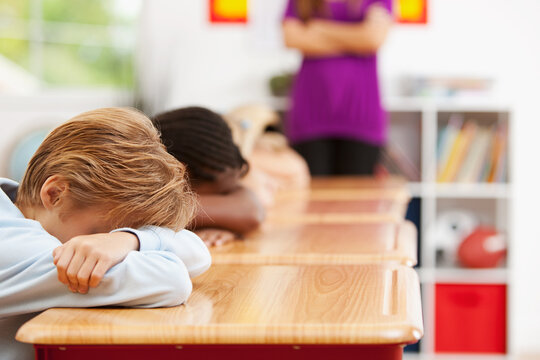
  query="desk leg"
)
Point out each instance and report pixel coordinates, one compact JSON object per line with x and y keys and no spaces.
{"x":222,"y":352}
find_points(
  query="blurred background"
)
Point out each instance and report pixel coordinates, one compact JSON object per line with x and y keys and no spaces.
{"x":448,"y":66}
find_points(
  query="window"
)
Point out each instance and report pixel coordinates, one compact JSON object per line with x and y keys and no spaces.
{"x":75,"y":43}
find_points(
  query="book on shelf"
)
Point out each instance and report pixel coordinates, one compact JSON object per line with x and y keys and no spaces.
{"x":458,"y":152}
{"x":473,"y":164}
{"x":446,"y":140}
{"x":498,"y":154}
{"x":501,"y":173}
{"x":469,"y":152}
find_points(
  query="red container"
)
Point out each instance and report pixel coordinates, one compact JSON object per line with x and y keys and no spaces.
{"x":470,"y":318}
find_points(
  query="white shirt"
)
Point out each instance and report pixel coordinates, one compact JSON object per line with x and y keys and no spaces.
{"x":158,"y":275}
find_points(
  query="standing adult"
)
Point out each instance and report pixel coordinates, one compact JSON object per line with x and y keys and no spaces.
{"x":336,"y":121}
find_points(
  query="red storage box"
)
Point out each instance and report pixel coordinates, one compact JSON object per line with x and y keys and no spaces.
{"x":470,"y":318}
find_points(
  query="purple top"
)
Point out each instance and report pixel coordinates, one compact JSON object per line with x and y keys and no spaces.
{"x":337,"y":96}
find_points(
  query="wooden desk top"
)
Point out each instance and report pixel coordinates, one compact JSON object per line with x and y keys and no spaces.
{"x":351,"y":187}
{"x":367,"y":208}
{"x":399,"y":194}
{"x":249,"y":304}
{"x":293,"y":244}
{"x":356,"y":182}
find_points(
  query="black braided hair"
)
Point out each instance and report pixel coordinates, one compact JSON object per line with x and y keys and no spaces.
{"x":202,"y":140}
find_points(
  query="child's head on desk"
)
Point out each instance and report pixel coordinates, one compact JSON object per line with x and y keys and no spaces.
{"x":102,"y":170}
{"x":202,"y":140}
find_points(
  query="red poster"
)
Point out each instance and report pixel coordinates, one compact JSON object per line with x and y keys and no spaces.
{"x":411,"y":11}
{"x":228,"y":11}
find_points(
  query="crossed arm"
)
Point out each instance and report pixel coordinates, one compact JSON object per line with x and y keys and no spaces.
{"x":328,"y":38}
{"x":156,"y":275}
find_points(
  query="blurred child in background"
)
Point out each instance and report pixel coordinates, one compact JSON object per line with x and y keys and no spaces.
{"x":273,"y":164}
{"x":202,"y":140}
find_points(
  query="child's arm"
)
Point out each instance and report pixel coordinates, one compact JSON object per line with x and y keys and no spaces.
{"x":185,"y":244}
{"x":216,"y":237}
{"x":154,"y":276}
{"x":238,"y":211}
{"x":83,"y":261}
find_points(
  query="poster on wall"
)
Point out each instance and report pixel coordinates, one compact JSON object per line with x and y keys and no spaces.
{"x":228,"y":11}
{"x":411,"y":11}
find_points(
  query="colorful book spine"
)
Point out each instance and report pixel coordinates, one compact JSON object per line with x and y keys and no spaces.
{"x":472,"y":165}
{"x":447,"y":140}
{"x":469,"y":153}
{"x":459,"y":150}
{"x":487,"y":164}
{"x":498,"y":154}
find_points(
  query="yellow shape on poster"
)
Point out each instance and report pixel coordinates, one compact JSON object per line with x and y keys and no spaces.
{"x":411,"y":9}
{"x":231,"y":8}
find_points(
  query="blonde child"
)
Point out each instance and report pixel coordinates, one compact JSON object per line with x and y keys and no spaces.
{"x":97,"y":220}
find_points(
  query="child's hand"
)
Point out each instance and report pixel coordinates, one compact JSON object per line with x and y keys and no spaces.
{"x":83,"y":261}
{"x":215,"y":237}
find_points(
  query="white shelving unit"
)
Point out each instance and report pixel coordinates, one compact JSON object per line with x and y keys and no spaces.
{"x":490,"y":200}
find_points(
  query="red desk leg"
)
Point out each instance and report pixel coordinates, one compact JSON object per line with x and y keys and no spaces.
{"x":222,"y":352}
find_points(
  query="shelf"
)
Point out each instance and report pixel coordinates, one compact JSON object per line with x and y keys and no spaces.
{"x":457,"y":190}
{"x":490,"y":201}
{"x":416,"y":189}
{"x":480,"y":190}
{"x":463,"y":276}
{"x":451,"y":104}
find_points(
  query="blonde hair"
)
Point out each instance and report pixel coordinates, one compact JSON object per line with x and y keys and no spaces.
{"x":113,"y":157}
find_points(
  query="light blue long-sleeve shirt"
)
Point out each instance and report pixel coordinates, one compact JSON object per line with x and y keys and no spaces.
{"x":157,"y":275}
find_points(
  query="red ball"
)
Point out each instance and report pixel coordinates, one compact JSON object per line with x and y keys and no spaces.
{"x":482,"y":248}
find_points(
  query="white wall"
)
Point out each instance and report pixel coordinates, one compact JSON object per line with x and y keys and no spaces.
{"x":223,"y":66}
{"x":219,"y":66}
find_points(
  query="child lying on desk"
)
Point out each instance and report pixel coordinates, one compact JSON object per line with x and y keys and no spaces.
{"x":97,"y":220}
{"x":202,"y":140}
{"x":274,"y":165}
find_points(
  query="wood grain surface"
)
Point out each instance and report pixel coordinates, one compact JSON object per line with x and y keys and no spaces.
{"x":249,"y":304}
{"x":354,"y":182}
{"x":292,"y":244}
{"x":274,"y":218}
{"x":350,"y":188}
{"x":299,"y":207}
{"x":400,"y":194}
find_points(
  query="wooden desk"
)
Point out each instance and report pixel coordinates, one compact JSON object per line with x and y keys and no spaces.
{"x":391,"y":208}
{"x":342,"y":199}
{"x":352,"y":187}
{"x":293,"y":244}
{"x":250,"y":312}
{"x":358,"y":182}
{"x":345,"y":194}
